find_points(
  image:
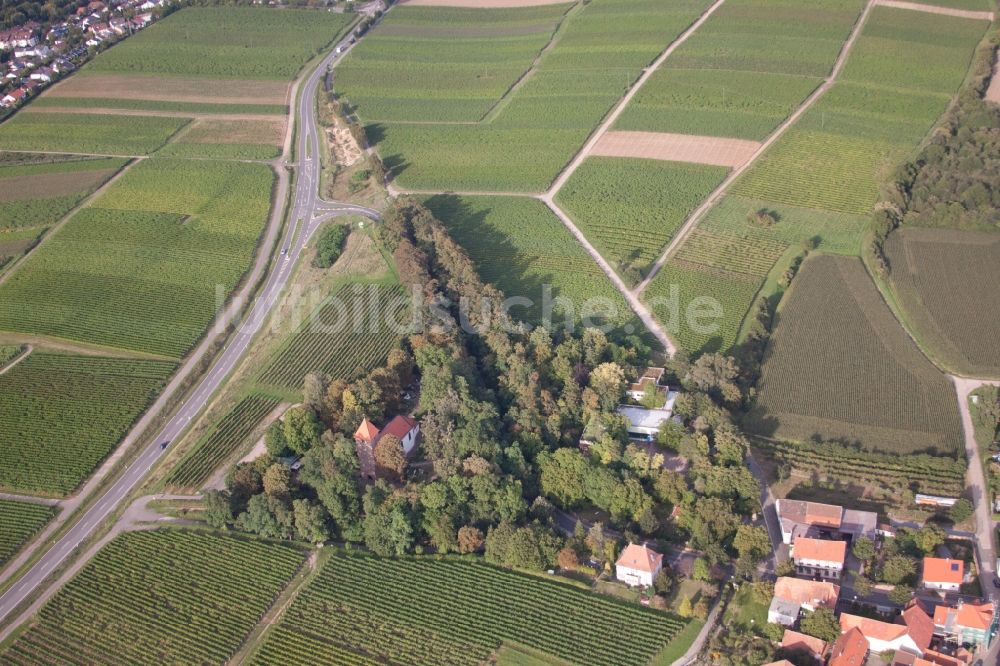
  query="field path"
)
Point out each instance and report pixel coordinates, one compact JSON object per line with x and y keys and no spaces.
{"x":24,"y":353}
{"x":717,"y":194}
{"x":935,"y":9}
{"x":29,"y":499}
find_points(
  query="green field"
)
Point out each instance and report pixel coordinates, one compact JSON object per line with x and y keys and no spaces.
{"x":520,"y":246}
{"x":352,"y":333}
{"x":156,"y":105}
{"x":88,"y":133}
{"x":19,"y":522}
{"x":218,"y":446}
{"x":165,"y":597}
{"x":61,"y":415}
{"x":629,"y":209}
{"x":944,"y":283}
{"x":744,"y":70}
{"x":522,"y":144}
{"x":452,"y":612}
{"x":841,"y":368}
{"x":141,"y":267}
{"x":225,"y":42}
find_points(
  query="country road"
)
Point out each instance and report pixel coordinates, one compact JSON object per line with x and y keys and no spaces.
{"x":307,"y":213}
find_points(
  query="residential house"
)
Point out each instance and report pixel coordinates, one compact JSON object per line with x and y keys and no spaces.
{"x":943,"y":574}
{"x":13,"y":98}
{"x":39,"y":51}
{"x":799,"y":518}
{"x":792,"y":595}
{"x":851,"y":649}
{"x":967,"y":623}
{"x":638,"y":565}
{"x":932,"y":658}
{"x":819,"y":557}
{"x":911,"y":633}
{"x":43,"y":74}
{"x":793,"y":641}
{"x":650,"y":378}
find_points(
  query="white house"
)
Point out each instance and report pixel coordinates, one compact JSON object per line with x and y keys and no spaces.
{"x":911,"y":633}
{"x":943,"y":574}
{"x":819,"y":557}
{"x":792,"y":595}
{"x":43,"y":74}
{"x":638,"y":565}
{"x":405,"y":429}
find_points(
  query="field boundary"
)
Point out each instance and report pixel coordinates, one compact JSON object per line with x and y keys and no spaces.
{"x":23,"y":354}
{"x":685,"y":229}
{"x":936,"y":9}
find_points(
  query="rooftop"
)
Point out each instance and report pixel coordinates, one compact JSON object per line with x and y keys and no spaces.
{"x":794,"y":640}
{"x":824,"y":550}
{"x":807,"y":592}
{"x":943,"y":570}
{"x":883,"y":631}
{"x":973,"y":616}
{"x":850,"y":649}
{"x":640,"y":558}
{"x":810,"y":513}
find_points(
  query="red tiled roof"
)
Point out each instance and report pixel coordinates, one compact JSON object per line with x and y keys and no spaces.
{"x":940,"y":659}
{"x":793,"y":640}
{"x":805,"y":548}
{"x":872,"y":628}
{"x":827,"y":515}
{"x":640,"y":558}
{"x":850,"y":649}
{"x":938,"y":570}
{"x":813,"y":593}
{"x":366,"y":432}
{"x":974,"y":616}
{"x":919,"y":625}
{"x":399,"y":426}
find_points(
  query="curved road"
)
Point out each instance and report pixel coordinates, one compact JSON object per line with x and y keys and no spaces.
{"x":308,"y":212}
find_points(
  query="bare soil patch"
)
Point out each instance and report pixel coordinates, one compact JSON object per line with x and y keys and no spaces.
{"x":343,"y":147}
{"x":250,"y":117}
{"x":718,"y":151}
{"x":993,"y":92}
{"x":47,"y":185}
{"x":171,"y":89}
{"x":482,"y":4}
{"x":269,"y":132}
{"x":935,"y":9}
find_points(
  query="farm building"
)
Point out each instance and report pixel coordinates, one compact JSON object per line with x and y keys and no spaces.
{"x":819,"y":557}
{"x":792,"y":595}
{"x":812,"y":519}
{"x":851,"y":649}
{"x":943,"y":574}
{"x":934,"y":500}
{"x":638,"y":565}
{"x":975,"y":624}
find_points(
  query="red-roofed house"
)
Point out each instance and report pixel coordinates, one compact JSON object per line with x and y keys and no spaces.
{"x":819,"y":557}
{"x":851,"y":649}
{"x":794,"y":641}
{"x":404,"y":429}
{"x":883,"y":636}
{"x":14,"y":97}
{"x":367,"y":436}
{"x":791,"y":595}
{"x":638,"y":565}
{"x":943,"y":573}
{"x":966,"y":622}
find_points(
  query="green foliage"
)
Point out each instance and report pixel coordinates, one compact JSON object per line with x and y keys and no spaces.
{"x":154,"y":104}
{"x":405,"y":610}
{"x":899,"y":406}
{"x":330,"y":341}
{"x":226,"y":584}
{"x":139,"y":269}
{"x":19,"y":522}
{"x":863,"y":549}
{"x":330,"y":244}
{"x":960,"y":511}
{"x":227,"y":437}
{"x":898,"y":569}
{"x":822,"y":624}
{"x":901,"y":594}
{"x":302,"y":429}
{"x":225,"y":42}
{"x":88,"y":133}
{"x":628,"y":211}
{"x":61,"y":415}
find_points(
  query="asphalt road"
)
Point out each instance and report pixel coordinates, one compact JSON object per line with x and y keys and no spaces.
{"x":308,"y":213}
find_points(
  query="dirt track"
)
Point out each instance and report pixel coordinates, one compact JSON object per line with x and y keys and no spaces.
{"x":714,"y":150}
{"x":993,"y":92}
{"x":482,"y":4}
{"x":935,"y":9}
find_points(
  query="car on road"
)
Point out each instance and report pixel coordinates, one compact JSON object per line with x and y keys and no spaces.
{"x":164,"y":445}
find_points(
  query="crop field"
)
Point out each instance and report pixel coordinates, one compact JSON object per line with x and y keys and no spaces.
{"x":629,"y":209}
{"x":166,"y":93}
{"x":216,"y":447}
{"x":439,"y":65}
{"x":19,"y":522}
{"x":353,"y":331}
{"x":941,"y":280}
{"x":522,"y":144}
{"x":8,"y":352}
{"x":881,"y":107}
{"x":61,"y":415}
{"x":39,"y":195}
{"x":453,"y":612}
{"x":167,"y":597}
{"x":520,"y":246}
{"x":225,"y":42}
{"x":877,"y":389}
{"x":258,"y":139}
{"x":178,"y":230}
{"x":88,"y":133}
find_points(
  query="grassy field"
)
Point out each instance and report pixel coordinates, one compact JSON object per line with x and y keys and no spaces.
{"x":51,"y":101}
{"x":523,"y":143}
{"x":521,"y":247}
{"x":167,"y":596}
{"x":219,"y":445}
{"x":19,"y":522}
{"x":225,"y":42}
{"x":629,"y":209}
{"x":350,"y":333}
{"x":88,"y":133}
{"x":61,"y":415}
{"x":744,"y":70}
{"x":177,"y":232}
{"x":39,"y":195}
{"x":941,"y":280}
{"x":258,"y":139}
{"x":456,"y":612}
{"x":832,"y":323}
